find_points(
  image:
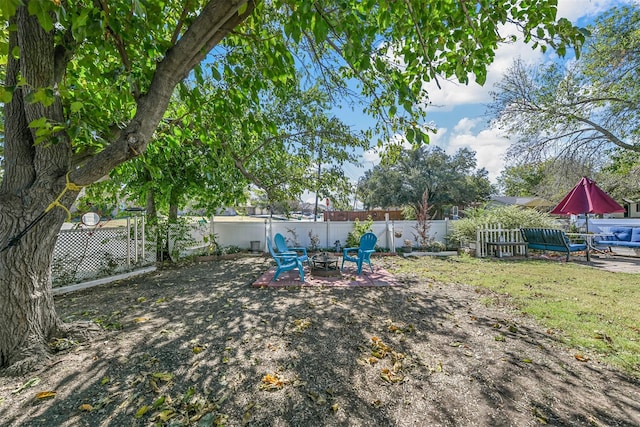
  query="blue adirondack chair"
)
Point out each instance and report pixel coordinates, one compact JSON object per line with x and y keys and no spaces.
{"x":282,"y":247}
{"x":362,"y":253}
{"x":285,"y":262}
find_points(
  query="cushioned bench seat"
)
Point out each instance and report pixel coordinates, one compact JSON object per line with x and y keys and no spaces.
{"x":549,"y":239}
{"x":620,"y":236}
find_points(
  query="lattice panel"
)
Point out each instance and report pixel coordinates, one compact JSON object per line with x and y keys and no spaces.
{"x":82,"y":255}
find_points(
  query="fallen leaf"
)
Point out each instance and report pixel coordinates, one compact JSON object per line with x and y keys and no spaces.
{"x":159,"y":401}
{"x":581,"y":358}
{"x":335,"y":407}
{"x":32,"y":382}
{"x":142,"y":411}
{"x":301,"y":324}
{"x":86,"y":407}
{"x":164,"y":376}
{"x":603,"y":336}
{"x":105,"y":380}
{"x":197,"y":350}
{"x":271,"y":382}
{"x":527,"y":360}
{"x":499,"y":338}
{"x":317,"y":398}
{"x":390,"y":376}
{"x":45,"y":394}
{"x":165,"y":415}
{"x":540,"y":416}
{"x":140,"y":319}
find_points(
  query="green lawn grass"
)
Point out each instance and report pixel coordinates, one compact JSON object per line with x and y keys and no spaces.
{"x":592,"y":310}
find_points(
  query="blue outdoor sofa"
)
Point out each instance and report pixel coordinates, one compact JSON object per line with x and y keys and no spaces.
{"x":628,"y":237}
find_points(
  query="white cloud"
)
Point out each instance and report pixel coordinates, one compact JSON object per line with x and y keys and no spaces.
{"x":373,"y":155}
{"x":451,"y":93}
{"x":490,"y":144}
{"x":576,"y":9}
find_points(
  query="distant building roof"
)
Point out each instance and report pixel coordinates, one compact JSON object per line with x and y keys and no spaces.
{"x":528,"y":202}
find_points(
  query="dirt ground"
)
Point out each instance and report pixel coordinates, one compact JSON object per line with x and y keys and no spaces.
{"x":198,"y":345}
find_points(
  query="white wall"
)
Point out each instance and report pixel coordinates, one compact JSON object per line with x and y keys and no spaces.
{"x":241,"y":234}
{"x":603,"y":225}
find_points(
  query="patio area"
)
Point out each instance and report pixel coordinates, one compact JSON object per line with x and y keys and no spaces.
{"x":615,"y":263}
{"x":378,"y":278}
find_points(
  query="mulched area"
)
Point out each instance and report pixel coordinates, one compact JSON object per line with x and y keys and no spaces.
{"x":200,"y":345}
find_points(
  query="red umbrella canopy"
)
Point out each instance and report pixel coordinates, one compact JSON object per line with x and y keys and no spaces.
{"x":587,"y":197}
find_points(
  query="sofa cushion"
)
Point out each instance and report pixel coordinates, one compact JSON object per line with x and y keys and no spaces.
{"x":622,"y":233}
{"x":635,"y":234}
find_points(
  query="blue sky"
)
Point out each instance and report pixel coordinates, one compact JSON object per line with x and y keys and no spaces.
{"x":460,"y":115}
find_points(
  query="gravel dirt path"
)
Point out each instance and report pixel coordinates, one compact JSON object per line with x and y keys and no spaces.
{"x":198,"y":345}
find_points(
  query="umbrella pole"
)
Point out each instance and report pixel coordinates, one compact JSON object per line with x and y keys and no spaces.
{"x":586,"y":222}
{"x":587,"y":238}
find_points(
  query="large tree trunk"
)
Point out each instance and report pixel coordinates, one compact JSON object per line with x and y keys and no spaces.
{"x":27,"y":312}
{"x":36,"y":189}
{"x":34,"y":177}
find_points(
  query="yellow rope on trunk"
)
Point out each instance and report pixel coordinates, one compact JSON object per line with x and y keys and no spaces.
{"x":69,"y":186}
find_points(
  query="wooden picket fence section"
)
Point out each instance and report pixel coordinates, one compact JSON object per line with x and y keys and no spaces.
{"x":495,"y":233}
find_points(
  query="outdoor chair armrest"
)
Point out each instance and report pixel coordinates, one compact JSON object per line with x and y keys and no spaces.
{"x":285,"y":256}
{"x":288,"y":253}
{"x":298,"y":249}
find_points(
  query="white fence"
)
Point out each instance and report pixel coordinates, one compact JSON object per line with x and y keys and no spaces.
{"x":494,"y":233}
{"x":91,"y":253}
{"x":300,"y":233}
{"x":86,"y":254}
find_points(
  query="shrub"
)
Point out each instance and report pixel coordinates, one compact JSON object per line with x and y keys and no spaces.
{"x":359,"y":228}
{"x":509,"y":217}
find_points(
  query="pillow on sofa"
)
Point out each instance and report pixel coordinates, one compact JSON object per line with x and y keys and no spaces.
{"x":635,"y":234}
{"x":622,"y":233}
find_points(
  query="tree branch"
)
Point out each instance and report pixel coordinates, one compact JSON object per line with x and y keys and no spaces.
{"x":218,"y":17}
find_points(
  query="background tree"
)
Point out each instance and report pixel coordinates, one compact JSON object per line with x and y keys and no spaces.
{"x":193,"y":161}
{"x":447,"y":180}
{"x":579,"y":109}
{"x":549,"y":179}
{"x":87,"y":83}
{"x":621,"y":176}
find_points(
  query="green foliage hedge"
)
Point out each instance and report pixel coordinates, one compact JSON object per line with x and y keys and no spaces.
{"x":509,"y":217}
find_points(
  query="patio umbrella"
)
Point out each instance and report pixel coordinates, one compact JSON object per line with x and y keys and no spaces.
{"x":585,"y":198}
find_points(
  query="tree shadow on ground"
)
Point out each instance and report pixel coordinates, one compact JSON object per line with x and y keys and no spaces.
{"x":199,"y":345}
